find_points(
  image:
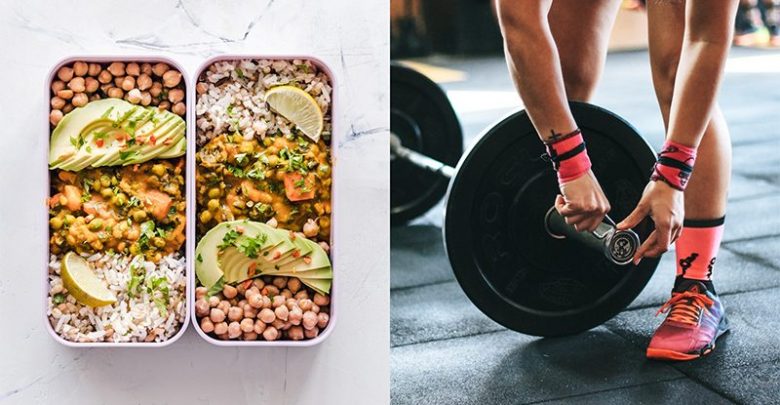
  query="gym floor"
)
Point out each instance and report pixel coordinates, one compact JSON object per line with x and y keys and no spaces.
{"x":445,"y":351}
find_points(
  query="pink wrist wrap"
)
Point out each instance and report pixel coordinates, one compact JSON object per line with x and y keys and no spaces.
{"x":674,"y":165}
{"x":568,"y":156}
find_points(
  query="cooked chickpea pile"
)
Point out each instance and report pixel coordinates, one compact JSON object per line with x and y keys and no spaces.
{"x":267,"y":308}
{"x":138,"y":83}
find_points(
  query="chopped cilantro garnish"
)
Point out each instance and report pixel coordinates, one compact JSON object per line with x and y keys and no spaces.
{"x":239,"y":72}
{"x":229,"y":239}
{"x":250,"y":246}
{"x":241,"y":158}
{"x":256,"y":174}
{"x":58,"y":298}
{"x":216,"y":288}
{"x":77,"y":142}
{"x":200,"y":258}
{"x":230,"y":109}
{"x":127,"y":154}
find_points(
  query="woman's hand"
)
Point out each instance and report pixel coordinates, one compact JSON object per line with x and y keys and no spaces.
{"x":666,"y":206}
{"x":583,"y":203}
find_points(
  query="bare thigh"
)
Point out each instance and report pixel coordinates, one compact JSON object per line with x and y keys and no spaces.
{"x":581,"y":30}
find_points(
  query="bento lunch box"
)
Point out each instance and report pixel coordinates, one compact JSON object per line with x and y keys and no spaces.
{"x":189,"y":179}
{"x":335,"y":176}
{"x":191,"y":205}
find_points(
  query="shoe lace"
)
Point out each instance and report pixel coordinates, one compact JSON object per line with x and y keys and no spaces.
{"x":686,"y":307}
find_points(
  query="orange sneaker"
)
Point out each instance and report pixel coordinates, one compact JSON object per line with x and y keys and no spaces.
{"x":696,"y":319}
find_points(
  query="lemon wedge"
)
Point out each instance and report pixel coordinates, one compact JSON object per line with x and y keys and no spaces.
{"x":299,"y":107}
{"x":83,"y":284}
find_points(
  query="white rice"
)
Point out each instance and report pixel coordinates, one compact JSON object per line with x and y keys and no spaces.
{"x":130,"y":319}
{"x":245,"y":91}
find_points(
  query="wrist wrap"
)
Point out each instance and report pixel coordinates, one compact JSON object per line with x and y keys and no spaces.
{"x":674,"y":165}
{"x":568,"y":156}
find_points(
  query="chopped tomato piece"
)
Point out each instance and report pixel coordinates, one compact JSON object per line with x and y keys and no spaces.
{"x":297,"y":188}
{"x":69,"y":177}
{"x":99,"y":143}
{"x":159,"y":203}
{"x":54,"y":200}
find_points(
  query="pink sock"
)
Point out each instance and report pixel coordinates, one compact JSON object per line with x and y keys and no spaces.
{"x":697,"y":248}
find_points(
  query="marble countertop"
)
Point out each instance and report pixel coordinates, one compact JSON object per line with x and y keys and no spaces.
{"x":351,"y":366}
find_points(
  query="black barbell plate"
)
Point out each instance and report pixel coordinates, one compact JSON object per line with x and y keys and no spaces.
{"x":423,"y":118}
{"x":494,"y":231}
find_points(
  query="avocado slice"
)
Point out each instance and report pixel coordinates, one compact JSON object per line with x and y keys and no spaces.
{"x":179,"y":149}
{"x":71,"y":129}
{"x":318,"y":259}
{"x":207,"y":268}
{"x":323,"y":273}
{"x":320,"y":286}
{"x":235,"y":263}
{"x":301,"y":247}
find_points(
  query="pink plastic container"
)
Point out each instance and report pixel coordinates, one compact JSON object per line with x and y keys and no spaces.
{"x":335,"y":175}
{"x":190,"y":176}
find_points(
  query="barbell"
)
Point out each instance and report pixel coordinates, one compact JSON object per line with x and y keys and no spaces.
{"x":511,"y":252}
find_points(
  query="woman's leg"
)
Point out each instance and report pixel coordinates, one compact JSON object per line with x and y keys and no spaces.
{"x":581,"y":30}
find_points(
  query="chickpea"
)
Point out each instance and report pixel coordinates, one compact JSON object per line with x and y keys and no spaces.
{"x":57,"y":103}
{"x":279,"y":324}
{"x":282,"y":312}
{"x":202,"y":307}
{"x":56,"y":86}
{"x":94,"y":69}
{"x":159,"y":69}
{"x":270,"y":333}
{"x":105,"y":77}
{"x":280,"y":282}
{"x":171,"y":78}
{"x":80,"y":100}
{"x":235,"y":314}
{"x":279,"y":301}
{"x":118,"y":81}
{"x":295,"y":316}
{"x":294,"y":284}
{"x":315,"y":308}
{"x":311,"y":229}
{"x":229,"y":291}
{"x":250,"y":336}
{"x":321,"y":300}
{"x":247,"y":325}
{"x":259,"y":326}
{"x":220,"y":328}
{"x":175,"y":95}
{"x":287,"y":294}
{"x":252,"y":290}
{"x":146,"y":98}
{"x":146,"y":68}
{"x":201,"y":88}
{"x":179,"y":108}
{"x":255,"y":300}
{"x":258,"y":283}
{"x":206,"y":325}
{"x":224,"y":305}
{"x":270,"y":291}
{"x":116,"y":69}
{"x":65,"y":94}
{"x":91,"y":85}
{"x":309,"y":319}
{"x":234,"y":330}
{"x":156,"y":89}
{"x":223,"y":336}
{"x":200,"y":292}
{"x":325,"y":246}
{"x":55,"y":116}
{"x":266,"y":302}
{"x":291,"y":303}
{"x":77,"y":84}
{"x":65,"y":74}
{"x":94,"y":97}
{"x":144,"y":82}
{"x":214,"y":301}
{"x":134,"y":96}
{"x":128,"y":83}
{"x":305,"y":304}
{"x":67,"y":108}
{"x":272,"y":223}
{"x":115,"y":92}
{"x":311,"y":333}
{"x":80,"y":68}
{"x":133,"y":69}
{"x":205,"y":217}
{"x":164,"y":105}
{"x":217,"y":315}
{"x":295,"y":333}
{"x":322,"y":320}
{"x":267,"y":315}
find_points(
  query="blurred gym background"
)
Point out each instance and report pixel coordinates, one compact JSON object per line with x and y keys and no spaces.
{"x":445,"y":351}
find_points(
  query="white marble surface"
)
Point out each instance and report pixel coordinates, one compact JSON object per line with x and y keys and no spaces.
{"x":351,"y":366}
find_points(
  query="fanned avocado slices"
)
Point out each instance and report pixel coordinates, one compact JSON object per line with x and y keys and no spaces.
{"x":111,"y":132}
{"x":240,"y":250}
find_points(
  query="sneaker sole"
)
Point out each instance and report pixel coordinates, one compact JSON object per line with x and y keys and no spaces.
{"x":671,"y":355}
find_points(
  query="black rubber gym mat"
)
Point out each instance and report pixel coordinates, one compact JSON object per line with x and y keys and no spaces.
{"x":417,"y":257}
